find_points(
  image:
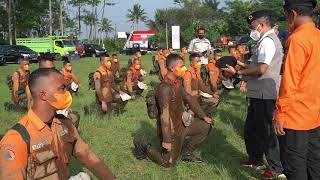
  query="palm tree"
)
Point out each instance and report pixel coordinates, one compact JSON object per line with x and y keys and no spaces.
{"x":79,"y":4}
{"x":105,"y":26}
{"x":213,"y":4}
{"x":136,"y":14}
{"x":89,"y":19}
{"x":151,"y":24}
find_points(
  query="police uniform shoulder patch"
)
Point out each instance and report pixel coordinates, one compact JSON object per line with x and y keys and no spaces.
{"x":9,"y":155}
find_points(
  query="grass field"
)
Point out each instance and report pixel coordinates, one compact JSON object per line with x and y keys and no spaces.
{"x":111,"y":137}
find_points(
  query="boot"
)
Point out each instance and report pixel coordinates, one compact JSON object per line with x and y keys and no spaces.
{"x":191,"y":157}
{"x":140,"y":148}
{"x":9,"y":107}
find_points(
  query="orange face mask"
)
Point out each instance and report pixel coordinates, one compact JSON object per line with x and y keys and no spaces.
{"x":180,"y":72}
{"x":197,"y":65}
{"x":115,"y":60}
{"x":107,"y":64}
{"x":25,"y":67}
{"x":137,"y":66}
{"x":63,"y":100}
{"x":241,"y":50}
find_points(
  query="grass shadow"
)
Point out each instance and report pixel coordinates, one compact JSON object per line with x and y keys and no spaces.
{"x":216,"y":150}
{"x":147,"y":131}
{"x":232,"y":112}
{"x":75,"y":167}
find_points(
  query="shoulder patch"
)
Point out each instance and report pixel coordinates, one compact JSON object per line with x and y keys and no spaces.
{"x":9,"y":155}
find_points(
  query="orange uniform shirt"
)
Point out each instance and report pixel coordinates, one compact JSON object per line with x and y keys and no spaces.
{"x":298,"y":105}
{"x":68,"y":76}
{"x":191,"y":74}
{"x":58,"y":142}
{"x":193,"y":79}
{"x":213,"y":72}
{"x":183,"y":56}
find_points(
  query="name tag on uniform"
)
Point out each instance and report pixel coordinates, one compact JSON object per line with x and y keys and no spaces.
{"x":40,"y":145}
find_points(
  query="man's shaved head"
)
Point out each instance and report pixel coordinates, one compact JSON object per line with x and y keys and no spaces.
{"x":171,"y":59}
{"x":23,"y":60}
{"x":46,"y":61}
{"x":41,"y":78}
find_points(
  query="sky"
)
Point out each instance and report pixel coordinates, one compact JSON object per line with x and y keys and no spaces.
{"x":117,"y":13}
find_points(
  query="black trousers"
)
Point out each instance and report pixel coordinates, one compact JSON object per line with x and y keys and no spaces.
{"x":300,"y":154}
{"x":259,"y":135}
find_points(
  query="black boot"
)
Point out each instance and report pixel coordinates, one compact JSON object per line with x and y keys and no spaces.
{"x":140,"y":148}
{"x":9,"y":107}
{"x":191,"y":157}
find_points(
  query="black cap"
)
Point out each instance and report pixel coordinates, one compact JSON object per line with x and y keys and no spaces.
{"x":230,"y":60}
{"x":288,"y":4}
{"x":258,"y":14}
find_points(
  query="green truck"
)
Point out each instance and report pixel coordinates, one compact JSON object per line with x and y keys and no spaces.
{"x":61,"y":46}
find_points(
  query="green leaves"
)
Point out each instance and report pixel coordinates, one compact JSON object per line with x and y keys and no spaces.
{"x":105,"y":26}
{"x":136,"y":14}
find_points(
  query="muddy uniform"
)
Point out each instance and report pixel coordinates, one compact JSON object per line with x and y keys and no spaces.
{"x":108,"y":91}
{"x":130,"y":82}
{"x":170,"y":97}
{"x":49,"y":153}
{"x":70,"y":77}
{"x":208,"y":104}
{"x":183,"y":56}
{"x":163,"y":69}
{"x":212,"y":79}
{"x":21,"y":90}
{"x":156,"y":62}
{"x":115,"y":68}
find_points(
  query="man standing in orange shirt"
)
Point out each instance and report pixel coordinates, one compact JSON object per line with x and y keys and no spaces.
{"x":297,"y":120}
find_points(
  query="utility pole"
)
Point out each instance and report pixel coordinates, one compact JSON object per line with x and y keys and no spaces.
{"x":61,"y":17}
{"x":14,"y":23}
{"x":79,"y":19}
{"x":115,"y":32}
{"x":50,"y":18}
{"x":167,"y":36}
{"x":9,"y":6}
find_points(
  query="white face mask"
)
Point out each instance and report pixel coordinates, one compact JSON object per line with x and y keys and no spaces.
{"x":255,"y":34}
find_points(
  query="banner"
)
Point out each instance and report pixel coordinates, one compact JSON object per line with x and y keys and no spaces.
{"x":122,"y":35}
{"x":175,"y":37}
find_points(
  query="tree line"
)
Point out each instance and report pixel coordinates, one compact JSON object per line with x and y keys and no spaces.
{"x":38,"y":18}
{"x":228,"y":20}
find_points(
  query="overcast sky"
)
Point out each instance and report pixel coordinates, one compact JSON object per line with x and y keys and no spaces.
{"x":117,"y":14}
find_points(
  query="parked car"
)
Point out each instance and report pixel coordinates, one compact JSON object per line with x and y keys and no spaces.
{"x":94,"y":50}
{"x":2,"y":61}
{"x":12,"y":53}
{"x":79,"y":47}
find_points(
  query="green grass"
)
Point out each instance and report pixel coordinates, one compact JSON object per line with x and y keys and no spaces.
{"x":111,"y":137}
